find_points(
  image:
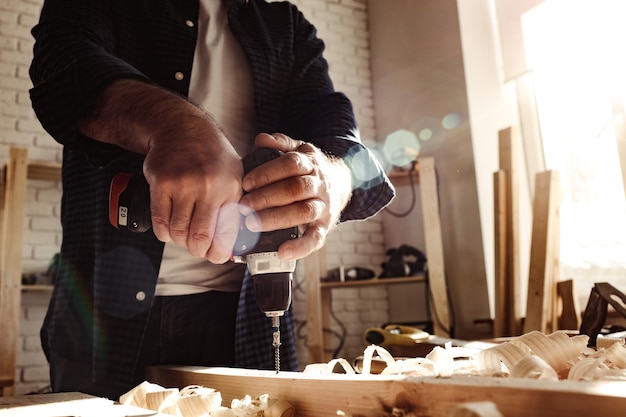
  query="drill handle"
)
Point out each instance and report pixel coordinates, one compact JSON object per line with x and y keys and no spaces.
{"x":129,"y":203}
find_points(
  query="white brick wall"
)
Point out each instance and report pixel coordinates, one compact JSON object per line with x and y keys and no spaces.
{"x":20,"y":128}
{"x":32,"y":368}
{"x":343,"y":26}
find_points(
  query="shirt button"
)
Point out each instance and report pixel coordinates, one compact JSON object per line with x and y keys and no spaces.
{"x":179,"y":76}
{"x":189,"y":23}
{"x":140,"y":296}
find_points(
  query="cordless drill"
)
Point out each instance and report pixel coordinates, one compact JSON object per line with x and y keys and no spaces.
{"x":129,"y":208}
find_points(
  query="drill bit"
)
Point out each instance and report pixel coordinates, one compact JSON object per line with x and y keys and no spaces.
{"x":276,"y":341}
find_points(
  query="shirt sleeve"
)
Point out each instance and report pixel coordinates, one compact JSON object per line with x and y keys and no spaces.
{"x":325,"y":117}
{"x":72,"y":64}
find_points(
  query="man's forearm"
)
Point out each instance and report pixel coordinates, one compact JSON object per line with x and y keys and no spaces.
{"x":132,"y":114}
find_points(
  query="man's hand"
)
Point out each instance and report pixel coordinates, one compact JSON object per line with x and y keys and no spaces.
{"x":193,"y":171}
{"x":304,"y":187}
{"x":195,"y":185}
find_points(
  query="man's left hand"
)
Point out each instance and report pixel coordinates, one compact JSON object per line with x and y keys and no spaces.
{"x":304,"y":187}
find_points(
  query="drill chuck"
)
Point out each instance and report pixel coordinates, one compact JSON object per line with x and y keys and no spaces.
{"x":272,"y":279}
{"x":273,"y":292}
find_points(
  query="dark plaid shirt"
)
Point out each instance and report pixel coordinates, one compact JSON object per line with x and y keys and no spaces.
{"x":106,"y":279}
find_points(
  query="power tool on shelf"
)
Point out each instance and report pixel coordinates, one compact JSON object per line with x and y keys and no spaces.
{"x":129,"y":208}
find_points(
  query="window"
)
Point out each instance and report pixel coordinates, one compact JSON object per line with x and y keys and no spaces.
{"x":575,"y":53}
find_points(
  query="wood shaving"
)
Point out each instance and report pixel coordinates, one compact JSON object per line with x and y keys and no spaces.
{"x":476,"y":409}
{"x":534,"y":355}
{"x":198,"y":401}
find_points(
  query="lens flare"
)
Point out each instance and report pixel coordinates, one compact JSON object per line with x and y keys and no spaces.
{"x":401,"y":147}
{"x":246,"y":239}
{"x":425,"y":134}
{"x":451,"y":121}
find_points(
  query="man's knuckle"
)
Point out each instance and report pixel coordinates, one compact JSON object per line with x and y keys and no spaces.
{"x":298,"y":162}
{"x":313,"y":209}
{"x":265,"y":199}
{"x":291,"y":160}
{"x":159,"y":221}
{"x":318,"y":237}
{"x":199,"y":237}
{"x":295,"y":186}
{"x":178,"y":232}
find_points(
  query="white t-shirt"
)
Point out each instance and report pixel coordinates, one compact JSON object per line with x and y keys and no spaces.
{"x":221,"y":83}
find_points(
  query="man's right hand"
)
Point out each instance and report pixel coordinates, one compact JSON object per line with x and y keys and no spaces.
{"x":194,"y":172}
{"x":195,"y":185}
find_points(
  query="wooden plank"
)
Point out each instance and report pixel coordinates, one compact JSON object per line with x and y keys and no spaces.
{"x":327,"y":299}
{"x":544,"y":255}
{"x":45,"y":171}
{"x":327,"y":395}
{"x":13,"y":201}
{"x":314,"y":307}
{"x":508,"y":142}
{"x":5,"y":383}
{"x":433,"y":242}
{"x":38,"y":287}
{"x":373,"y":282}
{"x":501,"y":310}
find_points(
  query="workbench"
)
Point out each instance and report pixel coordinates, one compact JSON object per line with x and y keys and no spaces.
{"x":378,"y":395}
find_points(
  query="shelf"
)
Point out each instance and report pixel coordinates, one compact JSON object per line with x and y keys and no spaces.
{"x":372,"y":281}
{"x":398,"y":177}
{"x":37,"y":287}
{"x":17,"y":171}
{"x":47,"y":171}
{"x":319,"y":293}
